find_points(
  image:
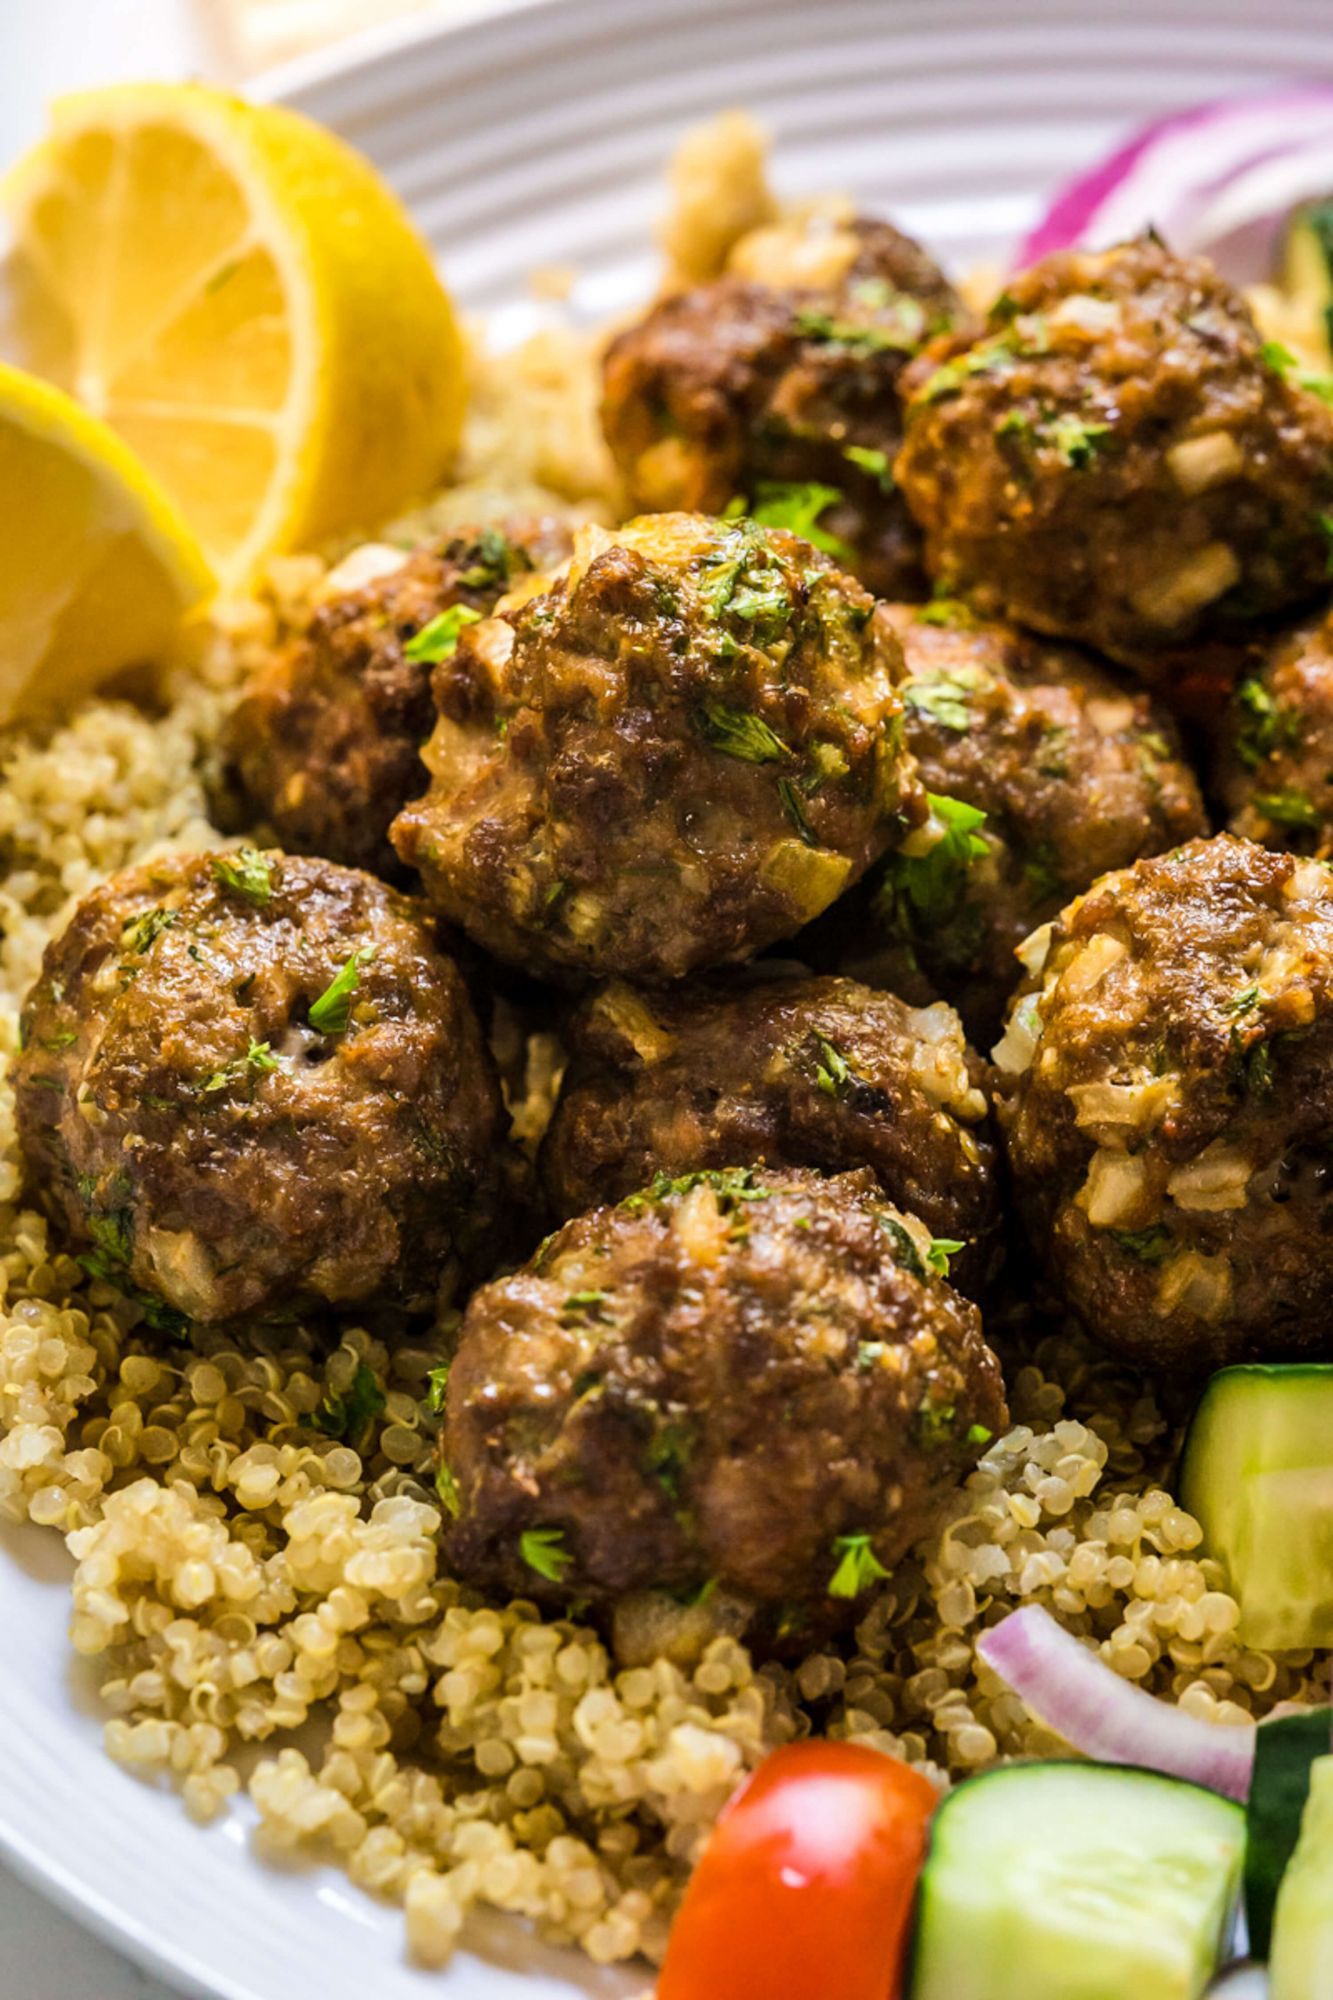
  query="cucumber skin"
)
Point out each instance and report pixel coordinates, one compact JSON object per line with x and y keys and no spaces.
{"x":916,"y":1971}
{"x":1301,"y":1964}
{"x":1283,"y":1753}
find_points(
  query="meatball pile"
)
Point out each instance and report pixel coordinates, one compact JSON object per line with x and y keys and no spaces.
{"x":760,"y":386}
{"x":1166,"y":1098}
{"x":250,"y":1081}
{"x":785,"y":1070}
{"x":679,"y":754}
{"x":1117,"y":458}
{"x":324,"y":746}
{"x":750,"y":1380}
{"x":1065,"y":773}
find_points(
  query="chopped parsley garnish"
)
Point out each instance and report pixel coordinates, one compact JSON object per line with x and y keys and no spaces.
{"x":979,"y":1434}
{"x":1277,"y":357}
{"x":1265,"y":726}
{"x":795,"y":811}
{"x":945,"y":700}
{"x":146,"y":930}
{"x":861,"y":340}
{"x":1014,"y":423}
{"x":1243,"y":1002}
{"x":950,"y":612}
{"x":349,"y":1414}
{"x":736,"y":732}
{"x":1077,"y":441}
{"x":491,"y":558}
{"x":935,"y":1422}
{"x":921,"y":892}
{"x":438,"y":1384}
{"x":114,"y":1235}
{"x":439,"y":639}
{"x":904,"y":1245}
{"x":951,"y":376}
{"x":835,"y":1075}
{"x":330,"y":1014}
{"x":1256,"y":1071}
{"x":257,"y":1060}
{"x":247,"y":873}
{"x":586,"y":1304}
{"x":1149,"y":1245}
{"x":874,"y":463}
{"x":1288,"y":807}
{"x":942,"y":1248}
{"x":779,"y":504}
{"x":668,"y":1455}
{"x":543,"y":1549}
{"x":447,"y":1488}
{"x":63,"y":1039}
{"x":858,"y":1566}
{"x":729,"y":1184}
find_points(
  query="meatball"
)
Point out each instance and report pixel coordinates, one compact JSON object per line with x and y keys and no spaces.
{"x":679,"y":754}
{"x":324,"y":745}
{"x":749,"y":387}
{"x":788,"y":1071}
{"x":250,"y":1081}
{"x":1275,"y":768}
{"x":1166,"y":1095}
{"x":1075,"y":775}
{"x":1115,"y":460}
{"x":745,"y":1379}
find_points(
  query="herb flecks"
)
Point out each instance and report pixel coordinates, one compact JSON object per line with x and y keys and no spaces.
{"x":799,"y":508}
{"x":857,"y":1569}
{"x":543,"y":1550}
{"x":332,"y":1011}
{"x":247,"y":873}
{"x":438,"y":640}
{"x":739,"y":733}
{"x":349,"y":1413}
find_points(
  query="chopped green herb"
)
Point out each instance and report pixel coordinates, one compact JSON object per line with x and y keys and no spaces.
{"x":589,"y":1302}
{"x":247,"y":873}
{"x":945,"y":700}
{"x":1149,"y":1245}
{"x":942,"y":1248}
{"x":113,"y":1234}
{"x":668,"y":1455}
{"x":835,"y":1075}
{"x":447,"y":1488}
{"x":875,"y":463}
{"x":1244,"y":1002}
{"x":1277,"y":357}
{"x":936,"y":1423}
{"x":900,"y":335}
{"x":1077,"y":441}
{"x":979,"y":1434}
{"x":331,"y":1012}
{"x":1264,"y":726}
{"x":439,"y":640}
{"x":1288,"y":807}
{"x":904,"y":1244}
{"x":795,"y":811}
{"x":147,"y":929}
{"x":868,"y":1352}
{"x":950,"y":377}
{"x":950,"y":612}
{"x":257,"y":1060}
{"x":53,"y":1044}
{"x":921,"y":892}
{"x":858,"y":1566}
{"x":738,"y":733}
{"x":348,"y":1415}
{"x":1257,"y":1071}
{"x":438,"y":1380}
{"x":780,"y":504}
{"x":543,"y":1549}
{"x":492,"y":558}
{"x":1014,"y":423}
{"x":729,"y":1184}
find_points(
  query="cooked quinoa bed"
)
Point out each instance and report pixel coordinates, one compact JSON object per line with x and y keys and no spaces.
{"x":239,"y":1568}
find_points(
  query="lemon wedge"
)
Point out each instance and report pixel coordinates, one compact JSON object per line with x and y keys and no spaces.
{"x":243,"y":300}
{"x":97,"y":568}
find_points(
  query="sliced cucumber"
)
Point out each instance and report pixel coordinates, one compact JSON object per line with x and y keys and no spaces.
{"x":1301,"y":1965}
{"x":1257,"y":1475}
{"x":1075,"y":1882}
{"x":1307,"y":267}
{"x":1284,"y":1752}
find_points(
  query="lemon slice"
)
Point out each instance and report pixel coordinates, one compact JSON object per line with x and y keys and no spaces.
{"x":97,"y":568}
{"x":244,"y":301}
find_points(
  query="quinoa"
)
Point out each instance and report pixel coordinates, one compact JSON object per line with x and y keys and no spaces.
{"x":251,"y":1555}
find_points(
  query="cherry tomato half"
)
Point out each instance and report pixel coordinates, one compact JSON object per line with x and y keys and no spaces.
{"x":805,"y":1888}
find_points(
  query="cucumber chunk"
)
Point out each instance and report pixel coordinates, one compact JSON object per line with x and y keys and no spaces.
{"x":1301,"y":1965}
{"x":1257,"y":1474}
{"x":1284,"y":1752}
{"x":1075,"y":1882}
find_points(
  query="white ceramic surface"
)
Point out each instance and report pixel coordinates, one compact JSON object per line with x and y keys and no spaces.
{"x":530,"y":138}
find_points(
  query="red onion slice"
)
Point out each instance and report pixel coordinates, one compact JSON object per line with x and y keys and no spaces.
{"x":1077,"y":1695}
{"x":1220,"y":178}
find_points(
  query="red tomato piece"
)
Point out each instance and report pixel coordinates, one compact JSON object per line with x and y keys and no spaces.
{"x":804,"y":1891}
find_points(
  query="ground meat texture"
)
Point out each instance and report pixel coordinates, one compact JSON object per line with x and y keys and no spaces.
{"x":748,"y":1380}
{"x":787,"y":1071}
{"x":1166,"y":1095}
{"x":324,"y":746}
{"x":1275,"y":765}
{"x":1075,"y":774}
{"x":679,"y":754}
{"x":749,"y":388}
{"x":249,"y":1081}
{"x":1119,"y":460}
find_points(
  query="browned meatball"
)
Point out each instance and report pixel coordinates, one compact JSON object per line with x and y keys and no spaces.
{"x":1116,"y":461}
{"x":748,"y":1379}
{"x":741,"y":387}
{"x":787,"y":1071}
{"x":324,"y":746}
{"x":248,"y":1081}
{"x":680,"y":753}
{"x":1275,"y":768}
{"x":1166,"y":1087}
{"x":1074,"y":773}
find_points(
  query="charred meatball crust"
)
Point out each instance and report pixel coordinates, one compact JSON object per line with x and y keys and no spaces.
{"x":679,"y":754}
{"x":1275,"y":761}
{"x":1075,"y":773}
{"x":251,"y":1080}
{"x":713,"y":1383}
{"x":324,"y":745}
{"x":788,"y":1071}
{"x":1166,"y":1091}
{"x":738,"y":385}
{"x":1115,"y":461}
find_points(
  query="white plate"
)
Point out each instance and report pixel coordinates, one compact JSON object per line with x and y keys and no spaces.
{"x":531,"y":138}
